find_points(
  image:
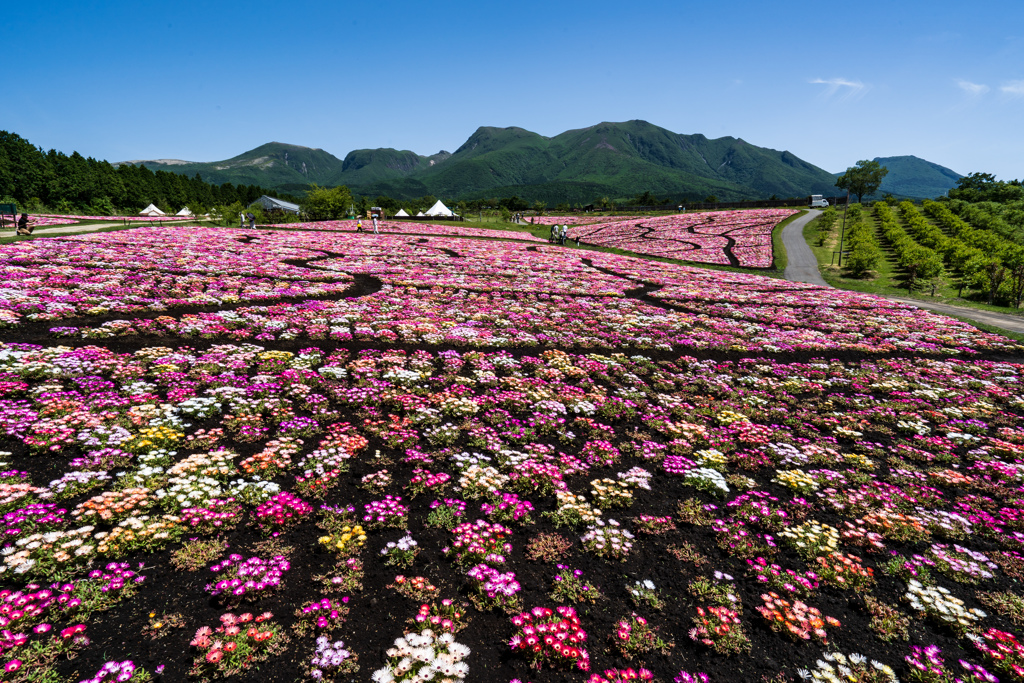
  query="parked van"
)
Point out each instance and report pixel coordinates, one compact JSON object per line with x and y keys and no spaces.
{"x":818,"y":202}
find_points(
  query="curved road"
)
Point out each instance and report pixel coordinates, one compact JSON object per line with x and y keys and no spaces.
{"x":801,"y":263}
{"x":802,"y":266}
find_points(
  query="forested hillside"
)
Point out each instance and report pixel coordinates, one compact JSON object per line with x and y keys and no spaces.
{"x":35,"y":180}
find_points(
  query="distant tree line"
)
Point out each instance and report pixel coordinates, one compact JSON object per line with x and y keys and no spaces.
{"x":38,"y":180}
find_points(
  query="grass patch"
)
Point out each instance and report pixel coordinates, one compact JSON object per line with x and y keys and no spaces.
{"x":780,"y":259}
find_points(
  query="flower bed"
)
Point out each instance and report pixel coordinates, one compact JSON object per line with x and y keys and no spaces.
{"x":739,"y":238}
{"x":721,"y":473}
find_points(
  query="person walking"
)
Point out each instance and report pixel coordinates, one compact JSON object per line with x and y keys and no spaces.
{"x":375,"y":232}
{"x":252,"y":220}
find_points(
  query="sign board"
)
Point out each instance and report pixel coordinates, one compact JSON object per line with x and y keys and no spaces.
{"x":8,"y":209}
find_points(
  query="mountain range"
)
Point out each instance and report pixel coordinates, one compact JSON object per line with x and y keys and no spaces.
{"x":614,"y":160}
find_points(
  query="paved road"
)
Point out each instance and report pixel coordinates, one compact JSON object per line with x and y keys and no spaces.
{"x":1013,"y":323}
{"x":801,"y":263}
{"x":802,"y":266}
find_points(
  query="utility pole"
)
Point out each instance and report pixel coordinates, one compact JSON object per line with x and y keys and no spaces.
{"x":842,"y":232}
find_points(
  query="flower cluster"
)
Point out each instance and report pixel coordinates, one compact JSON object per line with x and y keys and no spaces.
{"x":797,"y":620}
{"x":240,"y":642}
{"x":634,"y":636}
{"x":479,"y":542}
{"x":281,"y":510}
{"x":417,"y":587}
{"x":402,"y":552}
{"x":938,"y":603}
{"x":390,"y":512}
{"x":248,"y":578}
{"x":608,"y":540}
{"x":568,"y":586}
{"x":321,"y":615}
{"x":424,"y":656}
{"x":551,"y":637}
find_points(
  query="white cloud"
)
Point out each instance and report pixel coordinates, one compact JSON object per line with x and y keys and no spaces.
{"x":973,"y":89}
{"x":851,"y":89}
{"x":1015,"y":88}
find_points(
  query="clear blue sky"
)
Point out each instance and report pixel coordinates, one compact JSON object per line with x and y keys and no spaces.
{"x":204,"y":81}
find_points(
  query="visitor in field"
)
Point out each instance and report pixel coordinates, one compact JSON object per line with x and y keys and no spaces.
{"x":359,"y":226}
{"x":252,"y":220}
{"x":23,"y":228}
{"x":241,"y":220}
{"x":375,"y":232}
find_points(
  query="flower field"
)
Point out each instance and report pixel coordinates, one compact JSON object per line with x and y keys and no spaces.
{"x":736,"y":238}
{"x":409,"y":227}
{"x":320,"y":455}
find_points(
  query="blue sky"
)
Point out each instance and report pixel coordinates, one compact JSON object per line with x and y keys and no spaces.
{"x":204,"y":81}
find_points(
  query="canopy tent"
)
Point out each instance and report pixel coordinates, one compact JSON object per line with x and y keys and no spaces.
{"x":421,"y":214}
{"x":151,"y":210}
{"x":185,"y":212}
{"x":439,"y":209}
{"x":401,"y":213}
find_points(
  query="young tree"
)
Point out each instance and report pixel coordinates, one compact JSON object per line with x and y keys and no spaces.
{"x":826,"y":223}
{"x":863,"y":179}
{"x":326,"y":204}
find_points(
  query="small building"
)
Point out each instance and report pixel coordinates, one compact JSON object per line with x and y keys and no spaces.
{"x":274,"y":204}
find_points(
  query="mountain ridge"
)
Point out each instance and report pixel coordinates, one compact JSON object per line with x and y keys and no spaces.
{"x":618,"y":160}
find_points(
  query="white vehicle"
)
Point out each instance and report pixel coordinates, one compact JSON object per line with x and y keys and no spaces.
{"x":818,"y":202}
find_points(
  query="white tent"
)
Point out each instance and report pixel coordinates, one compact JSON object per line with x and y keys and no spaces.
{"x":421,"y":214}
{"x":439,"y":209}
{"x":401,"y":213}
{"x":185,"y":212}
{"x":151,"y":210}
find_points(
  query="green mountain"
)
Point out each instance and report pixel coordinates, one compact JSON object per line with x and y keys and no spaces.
{"x":913,"y":178}
{"x":274,"y":164}
{"x":366,"y":166}
{"x":617,"y":160}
